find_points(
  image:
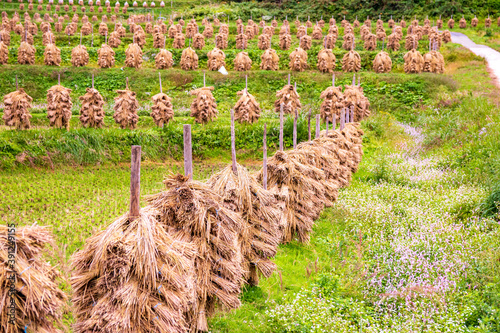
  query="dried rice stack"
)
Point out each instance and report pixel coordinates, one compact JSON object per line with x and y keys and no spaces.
{"x":487,"y":22}
{"x":393,"y":42}
{"x":260,"y":233}
{"x":189,"y":59}
{"x":333,"y":102}
{"x":79,"y":56}
{"x":370,"y":42}
{"x":333,"y":30}
{"x":208,"y":32}
{"x":216,"y":59}
{"x":125,"y":107}
{"x":348,"y":42}
{"x":241,"y":41}
{"x":462,"y":23}
{"x":221,"y":41}
{"x":411,"y":41}
{"x":59,"y":106}
{"x":51,"y":55}
{"x":305,"y":43}
{"x":351,"y":62}
{"x":326,"y":61}
{"x":47,"y":38}
{"x":433,"y":62}
{"x":86,"y":29}
{"x":140,"y":36}
{"x":474,"y":22}
{"x":191,"y":29}
{"x":317,"y":33}
{"x":268,"y":30}
{"x":451,"y":23}
{"x":364,"y":31}
{"x":5,"y":36}
{"x":298,"y":60}
{"x":242,"y":62}
{"x":414,"y":62}
{"x":121,"y":284}
{"x":173,"y":30}
{"x":92,"y":112}
{"x":381,"y":34}
{"x":38,"y":300}
{"x":114,"y":39}
{"x":204,"y":107}
{"x":247,"y":109}
{"x":303,"y":186}
{"x":382,"y":63}
{"x":4,"y":53}
{"x":290,"y":98}
{"x":192,"y":212}
{"x":285,"y":41}
{"x":162,"y":110}
{"x":16,"y":112}
{"x":354,"y":97}
{"x":179,"y":41}
{"x":105,"y":56}
{"x":133,"y":56}
{"x":446,"y":38}
{"x":158,"y":40}
{"x":103,"y":29}
{"x":329,"y":41}
{"x":269,"y":60}
{"x":26,"y":54}
{"x":198,"y":41}
{"x":264,"y":42}
{"x":164,"y":60}
{"x":301,"y":32}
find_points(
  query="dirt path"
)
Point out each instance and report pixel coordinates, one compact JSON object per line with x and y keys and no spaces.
{"x":492,"y":56}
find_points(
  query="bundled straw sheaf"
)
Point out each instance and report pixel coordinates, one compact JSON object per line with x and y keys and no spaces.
{"x":204,"y":107}
{"x":326,"y":61}
{"x":298,"y":60}
{"x":79,"y":56}
{"x":164,"y":60}
{"x":269,"y":60}
{"x":216,"y":59}
{"x":133,"y":56}
{"x":4,"y":53}
{"x":355,"y":98}
{"x":242,"y":62}
{"x":264,"y":42}
{"x":260,"y":231}
{"x":134,"y":277}
{"x":393,"y":42}
{"x":114,"y":39}
{"x":162,"y":110}
{"x":414,"y":62}
{"x":125,"y":107}
{"x":39,"y":301}
{"x":241,"y":41}
{"x":92,"y":111}
{"x":333,"y":102}
{"x":194,"y":213}
{"x":26,"y":54}
{"x":433,"y":62}
{"x":247,"y":109}
{"x":290,"y":98}
{"x":198,"y":41}
{"x":351,"y":62}
{"x":59,"y":106}
{"x":16,"y":112}
{"x":51,"y":55}
{"x":189,"y":59}
{"x":105,"y":56}
{"x":285,"y":41}
{"x":382,"y":63}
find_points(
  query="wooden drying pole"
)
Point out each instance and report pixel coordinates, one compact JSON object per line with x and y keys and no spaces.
{"x":264,"y":167}
{"x":295,"y":129}
{"x":317,"y":126}
{"x":326,"y":126}
{"x":334,"y":122}
{"x":342,"y":119}
{"x":233,"y":144}
{"x":135,"y":182}
{"x":309,"y":126}
{"x":188,"y":152}
{"x":281,"y":126}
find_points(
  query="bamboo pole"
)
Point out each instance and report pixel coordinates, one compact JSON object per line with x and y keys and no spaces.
{"x":309,"y":125}
{"x":233,"y":143}
{"x":281,"y":126}
{"x":135,"y":182}
{"x":264,"y":167}
{"x":188,"y":152}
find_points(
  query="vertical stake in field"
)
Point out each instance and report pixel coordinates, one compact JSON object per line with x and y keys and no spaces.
{"x":334,"y":122}
{"x":58,"y":79}
{"x":135,"y":182}
{"x":352,"y":113}
{"x":161,"y":88}
{"x":264,"y":153}
{"x":188,"y":152}
{"x":327,"y":126}
{"x":281,"y":126}
{"x":342,"y":119}
{"x":295,"y":129}
{"x":233,"y":143}
{"x":309,"y":126}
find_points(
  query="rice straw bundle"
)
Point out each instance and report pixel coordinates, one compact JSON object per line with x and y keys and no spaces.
{"x":216,"y":59}
{"x":368,"y":23}
{"x":398,"y":31}
{"x":301,"y":32}
{"x":59,"y":106}
{"x":179,"y":41}
{"x":260,"y":233}
{"x":216,"y":22}
{"x":317,"y":33}
{"x":242,"y":62}
{"x":70,"y":29}
{"x":393,"y":42}
{"x":204,"y":107}
{"x":354,"y":98}
{"x":194,"y":213}
{"x":103,"y":29}
{"x":19,"y":29}
{"x":290,"y":98}
{"x":309,"y":23}
{"x":86,"y":29}
{"x":140,"y":36}
{"x":326,"y":61}
{"x":348,"y":42}
{"x":26,"y":54}
{"x":191,"y":29}
{"x":370,"y":42}
{"x":92,"y":112}
{"x":45,"y":27}
{"x":32,"y":28}
{"x":332,"y":21}
{"x":410,"y":42}
{"x":5,"y":37}
{"x":435,"y":38}
{"x":221,"y":41}
{"x":162,"y":110}
{"x":114,"y":39}
{"x":414,"y":62}
{"x":268,"y":30}
{"x":381,"y":34}
{"x":364,"y":31}
{"x":462,"y":24}
{"x":305,"y":43}
{"x":79,"y":56}
{"x":189,"y":59}
{"x":125,"y":107}
{"x":158,"y":40}
{"x":298,"y":60}
{"x":16,"y":112}
{"x":250,"y":32}
{"x":285,"y":41}
{"x":247,"y":109}
{"x":264,"y":42}
{"x":474,"y":22}
{"x":382,"y":63}
{"x":134,"y":276}
{"x":391,"y":23}
{"x":333,"y":102}
{"x":164,"y":59}
{"x":333,"y":30}
{"x":51,"y":55}
{"x":439,"y":23}
{"x":329,"y":41}
{"x":451,"y":23}
{"x":487,"y":22}
{"x":241,"y":41}
{"x":446,"y":36}
{"x":47,"y":38}
{"x":433,"y":62}
{"x":351,"y":62}
{"x":4,"y":53}
{"x":198,"y":41}
{"x":172,"y":31}
{"x":133,"y":56}
{"x":224,"y":29}
{"x":208,"y":32}
{"x":38,"y":300}
{"x":269,"y":60}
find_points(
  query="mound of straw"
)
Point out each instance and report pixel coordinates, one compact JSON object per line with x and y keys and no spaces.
{"x":382,"y":63}
{"x":92,"y":111}
{"x":173,"y":30}
{"x":354,"y":98}
{"x":204,"y":107}
{"x":370,"y":42}
{"x":351,"y":62}
{"x":393,"y":42}
{"x":348,"y":42}
{"x":140,"y":36}
{"x":285,"y":41}
{"x":162,"y":110}
{"x":333,"y":102}
{"x":208,"y":32}
{"x":59,"y":106}
{"x":474,"y":22}
{"x":164,"y":60}
{"x":451,"y":23}
{"x":329,"y":41}
{"x":133,"y":56}
{"x":247,"y":109}
{"x":290,"y":98}
{"x":51,"y":55}
{"x":198,"y":41}
{"x":221,"y":41}
{"x":47,"y":38}
{"x":301,"y":32}
{"x":189,"y":59}
{"x":433,"y":62}
{"x":86,"y":29}
{"x":105,"y":56}
{"x":5,"y":36}
{"x":410,"y":42}
{"x":326,"y":61}
{"x":414,"y":62}
{"x":194,"y":213}
{"x":264,"y":42}
{"x":298,"y":60}
{"x":317,"y":33}
{"x":241,"y":41}
{"x":79,"y":56}
{"x":179,"y":41}
{"x":114,"y":39}
{"x":134,"y":276}
{"x":125,"y":107}
{"x":268,"y":30}
{"x":38,"y":300}
{"x":158,"y":40}
{"x":103,"y":29}
{"x":462,"y":24}
{"x":4,"y":53}
{"x":305,"y":43}
{"x":26,"y":54}
{"x":446,"y":38}
{"x":216,"y":59}
{"x":191,"y":29}
{"x":16,"y":112}
{"x":242,"y":62}
{"x":487,"y":22}
{"x":269,"y":60}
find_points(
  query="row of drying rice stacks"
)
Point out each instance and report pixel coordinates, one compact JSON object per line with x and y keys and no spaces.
{"x":188,"y":253}
{"x":203,"y":108}
{"x":91,"y":8}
